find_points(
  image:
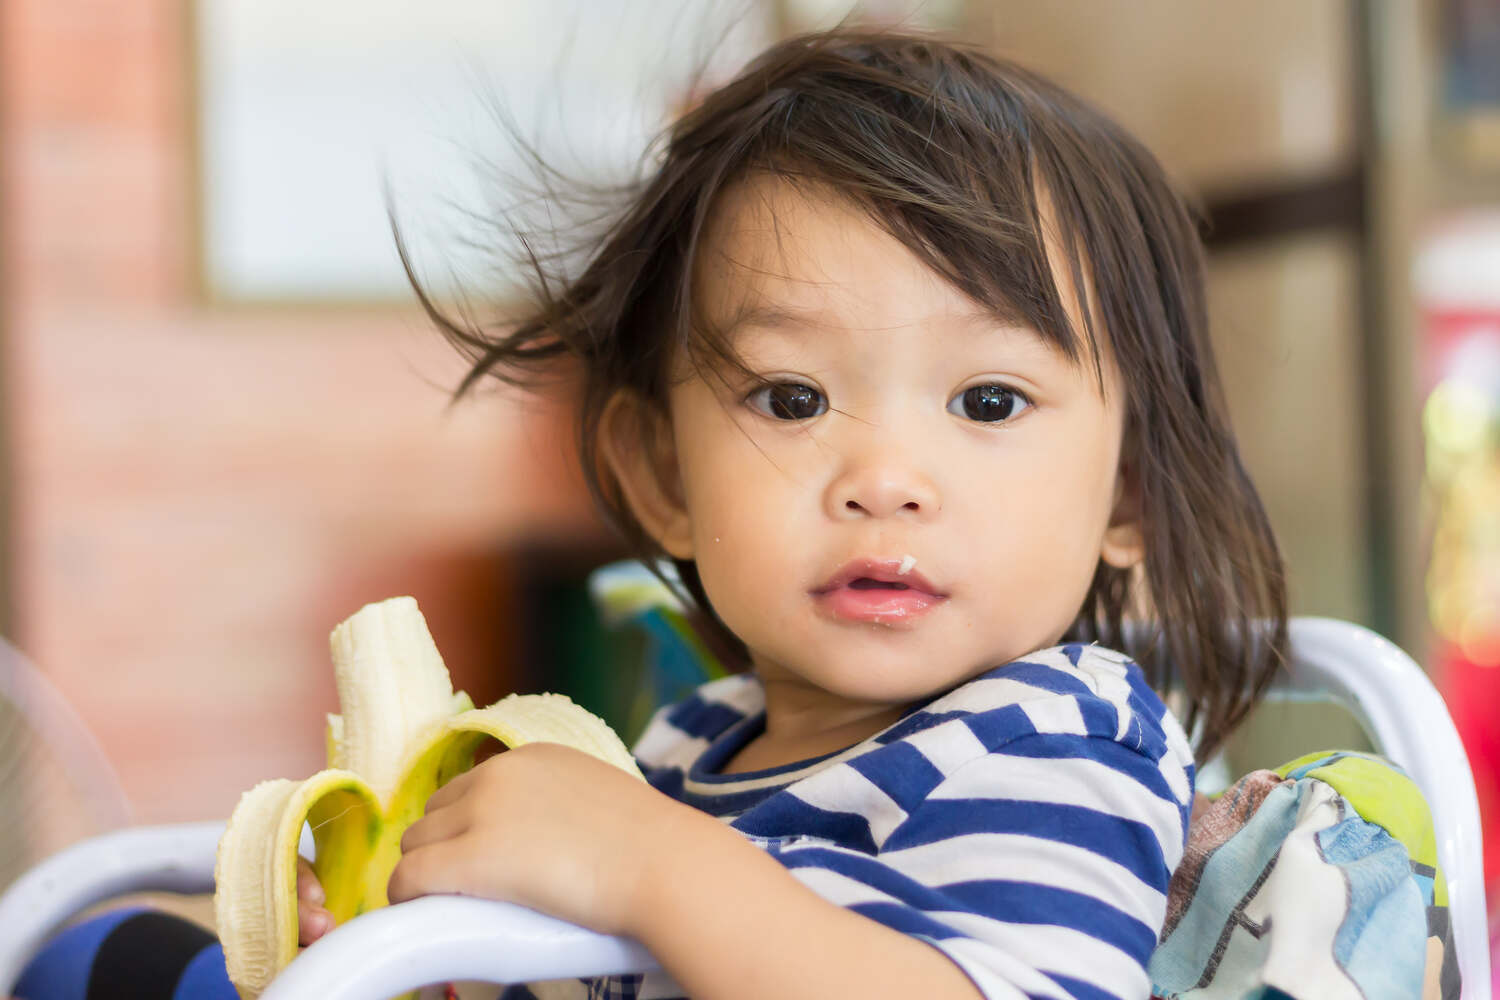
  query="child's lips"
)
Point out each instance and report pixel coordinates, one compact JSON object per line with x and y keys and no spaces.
{"x":876,"y":591}
{"x":881,"y":606}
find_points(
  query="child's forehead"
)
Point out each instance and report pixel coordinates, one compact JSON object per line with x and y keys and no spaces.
{"x":767,"y":232}
{"x":782,"y":258}
{"x":779,"y":252}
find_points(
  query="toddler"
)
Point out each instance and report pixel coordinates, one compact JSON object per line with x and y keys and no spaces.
{"x":900,"y":356}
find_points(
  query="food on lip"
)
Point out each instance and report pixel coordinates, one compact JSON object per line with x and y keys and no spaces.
{"x":907,"y":562}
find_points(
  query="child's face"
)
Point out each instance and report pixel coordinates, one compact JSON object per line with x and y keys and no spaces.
{"x":911,"y":429}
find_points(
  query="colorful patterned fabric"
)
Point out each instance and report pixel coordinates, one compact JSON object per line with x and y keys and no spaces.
{"x":1317,"y":880}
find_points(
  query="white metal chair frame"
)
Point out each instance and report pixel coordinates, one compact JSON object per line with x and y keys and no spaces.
{"x":440,"y":938}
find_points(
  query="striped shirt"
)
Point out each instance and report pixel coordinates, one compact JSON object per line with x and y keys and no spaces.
{"x":1026,"y":823}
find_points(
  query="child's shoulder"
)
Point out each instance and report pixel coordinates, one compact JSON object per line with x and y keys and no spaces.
{"x":1084,"y":675}
{"x":1075,"y":690}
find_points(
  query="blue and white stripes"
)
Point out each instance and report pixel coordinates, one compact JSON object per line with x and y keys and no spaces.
{"x":1027,"y":823}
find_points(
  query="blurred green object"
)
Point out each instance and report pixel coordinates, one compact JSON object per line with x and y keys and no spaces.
{"x":673,"y":661}
{"x":617,"y":642}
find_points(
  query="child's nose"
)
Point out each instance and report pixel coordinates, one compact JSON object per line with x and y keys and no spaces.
{"x":882,"y":489}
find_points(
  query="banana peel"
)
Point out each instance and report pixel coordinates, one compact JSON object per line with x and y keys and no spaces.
{"x":403,"y":732}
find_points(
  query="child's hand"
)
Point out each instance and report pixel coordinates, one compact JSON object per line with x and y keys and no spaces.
{"x":546,"y":826}
{"x":313,"y":921}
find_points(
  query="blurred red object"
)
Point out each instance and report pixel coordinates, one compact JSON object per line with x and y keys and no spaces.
{"x":1473,"y":695}
{"x":1458,"y":285}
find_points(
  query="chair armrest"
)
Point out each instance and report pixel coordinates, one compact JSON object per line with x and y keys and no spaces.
{"x":382,"y":953}
{"x":1403,"y":712}
{"x":176,"y":858}
{"x":441,"y":938}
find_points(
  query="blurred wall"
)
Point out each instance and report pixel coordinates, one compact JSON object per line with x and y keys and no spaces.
{"x":199,"y":494}
{"x":1250,"y":96}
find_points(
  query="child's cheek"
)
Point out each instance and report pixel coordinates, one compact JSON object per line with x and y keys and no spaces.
{"x":743,"y":574}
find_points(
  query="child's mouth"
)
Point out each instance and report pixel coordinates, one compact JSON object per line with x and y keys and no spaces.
{"x":866,"y":591}
{"x":865,"y":583}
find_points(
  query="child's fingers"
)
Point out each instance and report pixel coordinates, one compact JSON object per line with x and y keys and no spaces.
{"x":450,"y":792}
{"x":436,"y":826}
{"x":427,"y":871}
{"x":309,"y":889}
{"x":312,"y":922}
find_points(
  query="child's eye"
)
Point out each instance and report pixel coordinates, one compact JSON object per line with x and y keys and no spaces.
{"x":789,"y":401}
{"x":988,"y":403}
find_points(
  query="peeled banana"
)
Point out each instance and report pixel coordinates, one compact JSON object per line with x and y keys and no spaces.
{"x":402,"y":733}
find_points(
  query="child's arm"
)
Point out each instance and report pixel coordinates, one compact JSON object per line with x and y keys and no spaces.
{"x":759,"y":932}
{"x":556,"y":830}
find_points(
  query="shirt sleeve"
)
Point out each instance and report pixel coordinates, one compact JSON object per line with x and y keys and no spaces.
{"x":1040,"y":868}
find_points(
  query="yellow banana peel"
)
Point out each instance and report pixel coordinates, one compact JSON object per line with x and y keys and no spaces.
{"x":402,"y":734}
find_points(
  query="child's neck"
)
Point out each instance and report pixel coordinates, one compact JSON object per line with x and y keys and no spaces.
{"x":803,"y":723}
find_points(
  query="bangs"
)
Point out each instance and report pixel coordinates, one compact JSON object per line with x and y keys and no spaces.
{"x":983,"y":221}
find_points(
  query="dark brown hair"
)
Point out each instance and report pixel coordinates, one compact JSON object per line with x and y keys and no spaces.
{"x":951,"y":151}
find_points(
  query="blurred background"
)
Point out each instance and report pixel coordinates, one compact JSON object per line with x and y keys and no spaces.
{"x":225,"y":423}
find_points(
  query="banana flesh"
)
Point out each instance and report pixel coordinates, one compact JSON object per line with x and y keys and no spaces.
{"x":403,"y":732}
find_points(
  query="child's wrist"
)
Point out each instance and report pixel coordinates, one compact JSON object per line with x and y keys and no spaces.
{"x":679,"y":858}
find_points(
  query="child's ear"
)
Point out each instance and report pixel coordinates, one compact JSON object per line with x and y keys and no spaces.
{"x":1124,"y":538}
{"x":637,"y":444}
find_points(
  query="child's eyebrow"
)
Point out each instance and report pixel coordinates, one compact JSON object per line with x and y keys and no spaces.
{"x":771,"y":315}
